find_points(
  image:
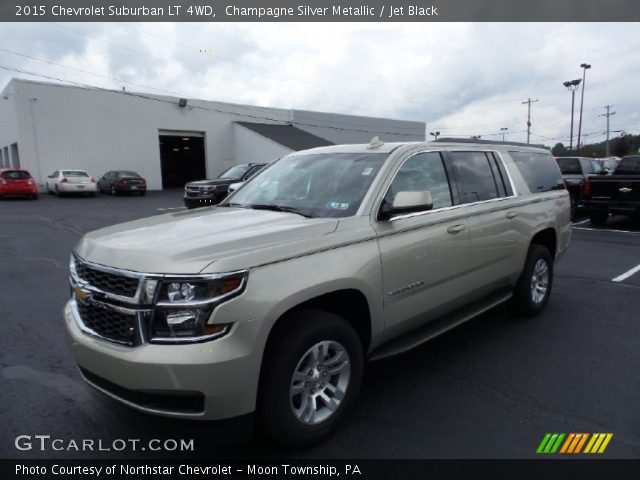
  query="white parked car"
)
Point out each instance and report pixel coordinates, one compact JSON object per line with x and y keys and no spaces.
{"x":71,"y":181}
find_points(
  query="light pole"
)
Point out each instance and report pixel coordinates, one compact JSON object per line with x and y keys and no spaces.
{"x":572,"y":85}
{"x":585,"y":67}
{"x":435,"y":135}
{"x":503,"y":130}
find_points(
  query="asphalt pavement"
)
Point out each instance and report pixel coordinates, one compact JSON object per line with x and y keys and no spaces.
{"x":489,"y":389}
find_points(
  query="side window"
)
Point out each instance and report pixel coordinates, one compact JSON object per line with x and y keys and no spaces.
{"x":423,"y":172}
{"x":586,"y":166}
{"x":539,"y":170}
{"x":477,"y":176}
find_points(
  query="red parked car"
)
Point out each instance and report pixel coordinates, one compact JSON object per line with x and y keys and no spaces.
{"x":18,"y":182}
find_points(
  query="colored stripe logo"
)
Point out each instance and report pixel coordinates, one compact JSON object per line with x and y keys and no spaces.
{"x":574,"y":443}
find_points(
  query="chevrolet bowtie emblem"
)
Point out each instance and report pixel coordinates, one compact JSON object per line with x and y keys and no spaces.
{"x":625,"y":189}
{"x":81,"y":294}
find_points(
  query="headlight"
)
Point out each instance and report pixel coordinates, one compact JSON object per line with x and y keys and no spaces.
{"x":185,"y":304}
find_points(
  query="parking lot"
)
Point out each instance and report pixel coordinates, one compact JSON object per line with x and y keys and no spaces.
{"x":490,"y":389}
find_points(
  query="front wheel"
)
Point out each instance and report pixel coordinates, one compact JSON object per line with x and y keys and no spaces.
{"x":532,"y":291}
{"x":312,"y":374}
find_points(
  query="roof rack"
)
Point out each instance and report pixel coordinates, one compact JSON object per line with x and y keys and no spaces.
{"x":488,"y":142}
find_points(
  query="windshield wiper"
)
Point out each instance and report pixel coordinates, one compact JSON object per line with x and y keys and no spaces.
{"x":277,"y":208}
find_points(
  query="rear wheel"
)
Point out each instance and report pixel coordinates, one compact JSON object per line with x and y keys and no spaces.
{"x":312,"y":374}
{"x":599,"y":218}
{"x":532,"y":291}
{"x":58,"y":193}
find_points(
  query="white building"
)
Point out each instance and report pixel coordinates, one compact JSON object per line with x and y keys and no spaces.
{"x":46,"y":127}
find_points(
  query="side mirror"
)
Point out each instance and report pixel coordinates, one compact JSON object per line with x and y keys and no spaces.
{"x":407,"y":202}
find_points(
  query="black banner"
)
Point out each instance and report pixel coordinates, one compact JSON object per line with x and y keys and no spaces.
{"x":541,"y":469}
{"x":320,"y":10}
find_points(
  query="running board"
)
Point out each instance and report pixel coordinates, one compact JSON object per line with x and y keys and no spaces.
{"x":432,"y":329}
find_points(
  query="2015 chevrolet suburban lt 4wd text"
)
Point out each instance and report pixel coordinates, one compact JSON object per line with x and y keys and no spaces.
{"x":273,"y":300}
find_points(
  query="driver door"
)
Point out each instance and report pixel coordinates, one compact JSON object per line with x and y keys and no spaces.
{"x":425,"y":255}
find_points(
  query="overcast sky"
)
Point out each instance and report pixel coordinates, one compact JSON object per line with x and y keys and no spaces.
{"x":462,"y":79}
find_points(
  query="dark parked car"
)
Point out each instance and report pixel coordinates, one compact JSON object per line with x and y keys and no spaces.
{"x":575,"y":170}
{"x":122,"y":181}
{"x":618,"y":194}
{"x":211,"y":192}
{"x":17,"y":182}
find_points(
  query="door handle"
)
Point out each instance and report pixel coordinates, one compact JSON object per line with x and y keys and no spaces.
{"x":511,"y":215}
{"x":456,"y":228}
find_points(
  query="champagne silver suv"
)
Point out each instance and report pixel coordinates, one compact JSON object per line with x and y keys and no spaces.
{"x":274,"y":300}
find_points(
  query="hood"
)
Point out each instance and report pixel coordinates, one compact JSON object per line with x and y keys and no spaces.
{"x":187,"y":242}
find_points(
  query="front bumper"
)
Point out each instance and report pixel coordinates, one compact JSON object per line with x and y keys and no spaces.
{"x":222,"y":373}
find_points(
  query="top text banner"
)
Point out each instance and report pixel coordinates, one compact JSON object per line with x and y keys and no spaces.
{"x":321,"y":11}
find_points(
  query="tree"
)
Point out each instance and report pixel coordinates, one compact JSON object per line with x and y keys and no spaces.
{"x":623,"y":145}
{"x":559,"y":150}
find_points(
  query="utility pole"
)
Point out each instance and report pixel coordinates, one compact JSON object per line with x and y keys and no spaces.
{"x":608,"y":114}
{"x":585,"y":67}
{"x":529,"y":102}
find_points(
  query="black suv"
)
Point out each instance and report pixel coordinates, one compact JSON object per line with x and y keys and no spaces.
{"x":211,"y":192}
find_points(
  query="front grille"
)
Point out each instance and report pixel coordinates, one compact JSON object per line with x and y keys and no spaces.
{"x":109,"y":324}
{"x":108,"y":282}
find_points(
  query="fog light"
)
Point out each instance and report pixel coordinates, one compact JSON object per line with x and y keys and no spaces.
{"x":184,"y":320}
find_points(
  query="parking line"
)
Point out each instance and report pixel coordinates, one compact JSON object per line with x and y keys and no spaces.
{"x":604,"y":230}
{"x":171,"y":208}
{"x":582,"y":221}
{"x":626,"y":274}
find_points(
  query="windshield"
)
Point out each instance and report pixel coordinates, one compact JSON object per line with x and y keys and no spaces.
{"x":74,"y":173}
{"x":320,"y":185}
{"x":234,"y":172}
{"x":569,"y":165}
{"x":16,"y":175}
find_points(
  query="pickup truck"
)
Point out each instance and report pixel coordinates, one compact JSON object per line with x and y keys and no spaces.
{"x":575,"y":170}
{"x":273,"y":301}
{"x":617,"y":194}
{"x":203,"y":193}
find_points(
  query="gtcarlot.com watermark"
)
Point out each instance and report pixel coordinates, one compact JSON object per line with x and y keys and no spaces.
{"x":47,"y":443}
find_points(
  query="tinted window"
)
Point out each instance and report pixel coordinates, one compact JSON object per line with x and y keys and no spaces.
{"x":628,"y":166}
{"x":539,"y":171}
{"x":422,"y":172}
{"x":475,"y":176}
{"x":569,"y":165}
{"x":74,"y":173}
{"x":127,"y":174}
{"x":16,"y":175}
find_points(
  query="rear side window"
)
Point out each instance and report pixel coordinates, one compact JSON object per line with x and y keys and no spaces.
{"x":479,"y":176}
{"x":540,"y":171}
{"x":16,"y":175}
{"x":568,"y":165}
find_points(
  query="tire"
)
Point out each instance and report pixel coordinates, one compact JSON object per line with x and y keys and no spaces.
{"x":34,"y":197}
{"x":58,"y":193}
{"x":599,"y":217}
{"x":529,"y":300}
{"x":290,"y":351}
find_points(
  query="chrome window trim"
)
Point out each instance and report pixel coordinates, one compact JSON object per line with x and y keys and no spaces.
{"x":498,"y":155}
